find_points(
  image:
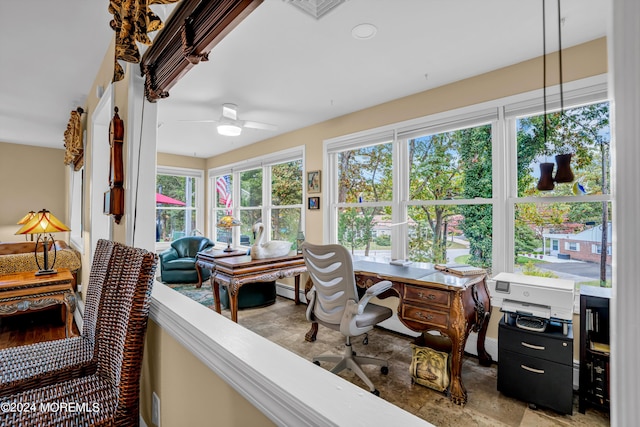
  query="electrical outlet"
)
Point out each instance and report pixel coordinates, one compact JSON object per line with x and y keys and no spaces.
{"x":155,"y":410}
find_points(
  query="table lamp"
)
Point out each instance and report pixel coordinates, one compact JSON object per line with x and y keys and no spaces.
{"x":43,"y":224}
{"x":227,"y":222}
{"x":25,"y":219}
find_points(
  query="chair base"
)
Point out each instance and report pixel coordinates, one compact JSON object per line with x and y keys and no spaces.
{"x":349,"y":360}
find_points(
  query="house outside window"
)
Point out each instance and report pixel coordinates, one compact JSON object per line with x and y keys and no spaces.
{"x":178,"y":203}
{"x":267,"y":189}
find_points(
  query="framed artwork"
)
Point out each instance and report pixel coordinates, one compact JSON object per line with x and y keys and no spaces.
{"x":314,"y":202}
{"x":313,"y":182}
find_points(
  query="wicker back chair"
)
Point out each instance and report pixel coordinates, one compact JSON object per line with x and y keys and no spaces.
{"x":111,"y":394}
{"x":48,"y":362}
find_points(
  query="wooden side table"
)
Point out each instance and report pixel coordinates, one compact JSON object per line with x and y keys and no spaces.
{"x":24,"y":291}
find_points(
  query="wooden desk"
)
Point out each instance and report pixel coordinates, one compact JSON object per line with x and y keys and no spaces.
{"x":208,"y":258}
{"x":234,"y":272}
{"x":25,"y":292}
{"x":432,"y":300}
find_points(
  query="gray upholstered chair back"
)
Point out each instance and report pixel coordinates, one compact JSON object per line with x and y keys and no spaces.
{"x":331,"y":270}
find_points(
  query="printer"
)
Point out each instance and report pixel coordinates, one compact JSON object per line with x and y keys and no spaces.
{"x":533,"y":300}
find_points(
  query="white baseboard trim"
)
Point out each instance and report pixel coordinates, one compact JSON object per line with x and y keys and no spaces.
{"x":142,"y":423}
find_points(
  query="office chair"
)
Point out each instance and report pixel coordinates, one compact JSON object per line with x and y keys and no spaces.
{"x":334,"y":303}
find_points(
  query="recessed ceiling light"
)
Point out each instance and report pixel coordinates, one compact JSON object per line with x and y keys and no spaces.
{"x":364,"y":31}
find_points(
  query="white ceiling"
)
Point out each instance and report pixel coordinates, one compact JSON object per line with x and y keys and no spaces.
{"x":280,"y":65}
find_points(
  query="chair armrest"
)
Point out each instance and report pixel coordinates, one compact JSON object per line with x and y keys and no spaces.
{"x":169,"y":255}
{"x":371,"y":292}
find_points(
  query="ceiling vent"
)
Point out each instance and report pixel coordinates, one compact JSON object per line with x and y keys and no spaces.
{"x":315,"y":8}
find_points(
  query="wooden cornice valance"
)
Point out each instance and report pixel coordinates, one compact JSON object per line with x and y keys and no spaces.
{"x":195,"y":27}
{"x":74,"y":149}
{"x":132,"y":21}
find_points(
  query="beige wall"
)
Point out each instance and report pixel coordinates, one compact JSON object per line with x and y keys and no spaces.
{"x":31,"y":178}
{"x":190,"y":393}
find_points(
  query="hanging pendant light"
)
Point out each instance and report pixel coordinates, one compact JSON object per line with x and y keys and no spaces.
{"x":564,"y":173}
{"x":546,"y":169}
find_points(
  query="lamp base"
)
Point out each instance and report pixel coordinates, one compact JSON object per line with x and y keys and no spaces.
{"x":228,"y":249}
{"x":46,"y":272}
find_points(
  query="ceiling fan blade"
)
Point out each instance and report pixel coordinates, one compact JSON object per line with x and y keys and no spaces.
{"x":230,"y":111}
{"x":258,"y":125}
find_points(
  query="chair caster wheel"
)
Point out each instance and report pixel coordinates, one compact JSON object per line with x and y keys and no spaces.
{"x":376,"y":392}
{"x":384,"y":370}
{"x":315,"y":362}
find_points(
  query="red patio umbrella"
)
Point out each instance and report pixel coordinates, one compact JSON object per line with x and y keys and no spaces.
{"x":161,"y":198}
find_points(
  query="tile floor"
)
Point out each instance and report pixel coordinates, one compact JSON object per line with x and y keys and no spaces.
{"x":284,"y":323}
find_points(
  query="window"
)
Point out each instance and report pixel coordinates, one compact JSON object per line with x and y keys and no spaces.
{"x":571,"y":214}
{"x":421,"y":192}
{"x":178,"y":203}
{"x":462,"y":186}
{"x":269,"y":187}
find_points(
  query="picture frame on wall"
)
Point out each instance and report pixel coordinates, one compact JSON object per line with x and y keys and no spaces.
{"x":314,"y":203}
{"x":313,"y":181}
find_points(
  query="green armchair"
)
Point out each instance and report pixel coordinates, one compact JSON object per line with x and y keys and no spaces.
{"x":178,"y":263}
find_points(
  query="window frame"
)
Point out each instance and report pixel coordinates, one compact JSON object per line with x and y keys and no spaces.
{"x":504,"y":162}
{"x":198,"y":205}
{"x":235,"y":170}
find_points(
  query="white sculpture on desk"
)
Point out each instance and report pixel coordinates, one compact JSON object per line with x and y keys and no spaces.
{"x":267,"y":249}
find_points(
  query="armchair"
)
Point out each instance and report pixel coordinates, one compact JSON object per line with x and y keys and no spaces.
{"x":178,"y":263}
{"x":334,"y":303}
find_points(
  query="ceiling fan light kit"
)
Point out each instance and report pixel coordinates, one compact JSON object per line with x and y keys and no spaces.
{"x":229,"y":129}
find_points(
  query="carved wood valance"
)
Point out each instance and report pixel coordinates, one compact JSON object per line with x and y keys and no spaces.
{"x":194,"y":28}
{"x":74,"y":148}
{"x":132,"y":21}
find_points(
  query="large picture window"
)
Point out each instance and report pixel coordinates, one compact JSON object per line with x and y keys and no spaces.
{"x":267,"y":190}
{"x":421,"y":192}
{"x":461,"y":186}
{"x":178,"y":194}
{"x":556,"y":229}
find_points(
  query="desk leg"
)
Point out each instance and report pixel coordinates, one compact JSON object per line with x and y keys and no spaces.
{"x":311,"y":334}
{"x":216,"y":295}
{"x":483,"y":314}
{"x":233,"y":301}
{"x":70,"y":306}
{"x":199,"y":271}
{"x":296,"y":289}
{"x":457,"y":390}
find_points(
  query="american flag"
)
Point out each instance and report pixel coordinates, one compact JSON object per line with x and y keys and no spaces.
{"x":223,"y":186}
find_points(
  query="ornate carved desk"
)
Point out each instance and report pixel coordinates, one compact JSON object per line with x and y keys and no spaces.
{"x":233,"y":272}
{"x":433,"y":301}
{"x":25,"y":291}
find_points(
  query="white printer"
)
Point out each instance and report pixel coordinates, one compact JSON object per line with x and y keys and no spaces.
{"x":534,"y":300}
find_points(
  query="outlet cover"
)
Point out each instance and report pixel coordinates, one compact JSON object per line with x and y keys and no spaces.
{"x":155,"y":410}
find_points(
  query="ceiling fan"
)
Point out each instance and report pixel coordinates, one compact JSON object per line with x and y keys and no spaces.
{"x":229,"y":125}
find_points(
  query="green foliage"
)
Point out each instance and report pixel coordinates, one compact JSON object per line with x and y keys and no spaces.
{"x":383,"y":240}
{"x":525,"y":239}
{"x":530,"y":269}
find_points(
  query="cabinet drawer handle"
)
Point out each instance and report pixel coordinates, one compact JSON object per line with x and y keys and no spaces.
{"x":535,"y":371}
{"x":422,"y":316}
{"x":427,"y":296}
{"x":531,"y":346}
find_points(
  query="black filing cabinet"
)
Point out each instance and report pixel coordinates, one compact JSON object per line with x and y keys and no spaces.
{"x":536,"y":367}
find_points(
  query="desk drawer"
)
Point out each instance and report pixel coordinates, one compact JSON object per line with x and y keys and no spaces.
{"x":535,"y":380}
{"x":536,"y":344}
{"x":425,"y":315}
{"x":426,"y":295}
